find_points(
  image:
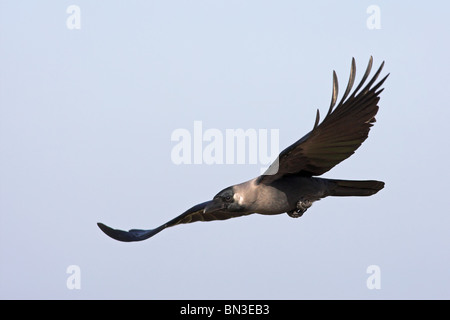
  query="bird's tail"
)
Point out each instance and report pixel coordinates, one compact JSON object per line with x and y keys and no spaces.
{"x":345,"y":188}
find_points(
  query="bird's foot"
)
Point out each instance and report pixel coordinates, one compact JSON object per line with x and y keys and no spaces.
{"x":302,"y":206}
{"x":295,"y":214}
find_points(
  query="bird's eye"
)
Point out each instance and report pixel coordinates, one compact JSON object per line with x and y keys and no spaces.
{"x":227,"y":198}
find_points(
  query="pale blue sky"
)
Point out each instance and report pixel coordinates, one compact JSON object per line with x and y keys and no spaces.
{"x":86,"y":118}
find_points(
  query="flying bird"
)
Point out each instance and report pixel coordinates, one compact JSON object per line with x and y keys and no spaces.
{"x":290,"y":185}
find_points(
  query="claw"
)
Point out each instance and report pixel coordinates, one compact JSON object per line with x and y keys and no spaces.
{"x":295,"y":213}
{"x":302,"y":206}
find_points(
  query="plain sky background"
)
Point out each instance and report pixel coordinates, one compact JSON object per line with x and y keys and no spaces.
{"x":86,"y":118}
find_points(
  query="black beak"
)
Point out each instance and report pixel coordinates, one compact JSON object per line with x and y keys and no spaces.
{"x":214,"y":205}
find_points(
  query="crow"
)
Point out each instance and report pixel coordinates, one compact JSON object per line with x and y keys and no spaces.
{"x":290,"y":185}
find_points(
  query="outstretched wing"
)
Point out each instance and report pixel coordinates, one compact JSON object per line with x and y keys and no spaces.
{"x":342,"y":131}
{"x":193,"y":214}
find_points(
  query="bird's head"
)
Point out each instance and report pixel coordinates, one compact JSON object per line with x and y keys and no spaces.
{"x":226,"y":200}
